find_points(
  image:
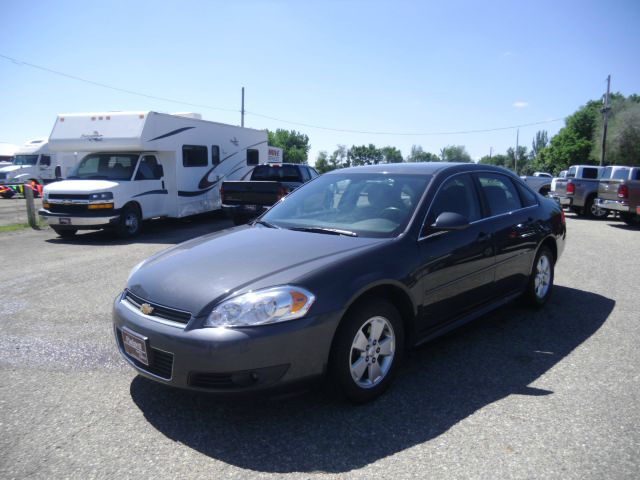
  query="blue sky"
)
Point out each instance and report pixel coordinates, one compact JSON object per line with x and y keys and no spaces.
{"x":401,"y":67}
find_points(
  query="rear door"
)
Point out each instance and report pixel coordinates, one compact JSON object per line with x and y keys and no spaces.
{"x":456,"y":271}
{"x":510,"y":213}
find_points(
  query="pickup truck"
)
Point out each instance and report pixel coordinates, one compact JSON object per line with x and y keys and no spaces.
{"x":246,"y":199}
{"x":579,"y":190}
{"x":620,"y":192}
{"x":539,"y":182}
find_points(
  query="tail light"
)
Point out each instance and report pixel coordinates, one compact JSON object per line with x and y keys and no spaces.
{"x":282,"y":192}
{"x":623,"y":191}
{"x":571,"y":188}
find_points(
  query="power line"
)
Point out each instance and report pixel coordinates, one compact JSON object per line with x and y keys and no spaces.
{"x":301,"y":124}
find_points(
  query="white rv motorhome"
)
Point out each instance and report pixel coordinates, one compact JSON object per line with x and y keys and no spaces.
{"x":144,"y":165}
{"x":36,"y":164}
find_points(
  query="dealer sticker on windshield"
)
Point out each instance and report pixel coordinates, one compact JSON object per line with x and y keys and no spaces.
{"x":135,"y":345}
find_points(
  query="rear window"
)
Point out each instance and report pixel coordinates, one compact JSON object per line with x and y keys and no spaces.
{"x":621,"y":174}
{"x":276,"y":173}
{"x":590,"y":173}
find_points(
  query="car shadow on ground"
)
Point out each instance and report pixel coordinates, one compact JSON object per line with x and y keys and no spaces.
{"x":439,"y":385}
{"x":167,"y":231}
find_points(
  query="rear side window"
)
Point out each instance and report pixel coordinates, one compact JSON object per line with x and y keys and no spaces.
{"x":590,"y":173}
{"x":527,"y":197}
{"x":253,"y":156}
{"x":500,"y":193}
{"x":215,"y":155}
{"x":194,"y":156}
{"x":621,"y":174}
{"x":457,"y":195}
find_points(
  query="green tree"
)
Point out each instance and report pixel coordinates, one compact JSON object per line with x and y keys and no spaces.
{"x":295,"y":145}
{"x":455,"y":153}
{"x":391,"y":154}
{"x":540,"y":141}
{"x":623,"y":133}
{"x":323,"y":164}
{"x":419,"y":155}
{"x":364,"y":155}
{"x":339,"y":158}
{"x":498,"y":160}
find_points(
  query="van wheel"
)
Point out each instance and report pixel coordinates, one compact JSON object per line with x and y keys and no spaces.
{"x":65,"y":232}
{"x":130,"y":222}
{"x":367,"y":351}
{"x":541,"y":280}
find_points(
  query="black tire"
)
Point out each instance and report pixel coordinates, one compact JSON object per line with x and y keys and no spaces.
{"x":346,"y":359}
{"x":130,"y":222}
{"x":630,"y":219}
{"x":537,"y":295}
{"x":65,"y":232}
{"x":591,"y":210}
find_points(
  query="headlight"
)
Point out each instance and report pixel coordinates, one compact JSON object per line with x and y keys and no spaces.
{"x":101,"y":196}
{"x":272,"y":305}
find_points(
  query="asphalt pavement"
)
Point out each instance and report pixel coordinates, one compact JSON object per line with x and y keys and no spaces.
{"x":518,"y":394}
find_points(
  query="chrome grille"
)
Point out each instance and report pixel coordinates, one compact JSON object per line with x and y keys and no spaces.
{"x":160,"y":311}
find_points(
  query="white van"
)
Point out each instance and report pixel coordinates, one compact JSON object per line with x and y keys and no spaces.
{"x":36,"y":164}
{"x":144,"y":165}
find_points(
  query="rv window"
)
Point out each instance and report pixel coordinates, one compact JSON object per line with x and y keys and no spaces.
{"x":215,"y":155}
{"x":45,"y":161}
{"x":253,"y":156}
{"x":148,"y":169}
{"x":194,"y":156}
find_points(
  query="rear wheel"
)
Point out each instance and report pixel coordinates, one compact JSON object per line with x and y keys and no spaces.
{"x":367,"y":350}
{"x":130,"y":222}
{"x":592,"y":210}
{"x":65,"y":232}
{"x":541,"y":280}
{"x":630,"y":219}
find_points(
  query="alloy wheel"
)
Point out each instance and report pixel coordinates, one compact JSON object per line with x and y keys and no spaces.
{"x":372,"y":352}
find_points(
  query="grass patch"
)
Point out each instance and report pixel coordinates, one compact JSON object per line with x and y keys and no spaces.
{"x":14,"y":227}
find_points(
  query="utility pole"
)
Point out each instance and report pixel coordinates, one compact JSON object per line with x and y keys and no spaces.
{"x":490,"y":152}
{"x":515,"y":154}
{"x":242,"y":110}
{"x":605,"y":113}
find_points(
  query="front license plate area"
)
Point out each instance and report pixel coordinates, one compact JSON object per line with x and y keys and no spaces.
{"x":251,"y":208}
{"x":135,"y":346}
{"x":64,"y":221}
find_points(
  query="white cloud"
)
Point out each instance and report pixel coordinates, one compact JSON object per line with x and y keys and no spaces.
{"x":520,"y":104}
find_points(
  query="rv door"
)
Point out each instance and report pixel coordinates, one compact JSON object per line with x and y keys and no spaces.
{"x":151,"y":188}
{"x":45,"y":169}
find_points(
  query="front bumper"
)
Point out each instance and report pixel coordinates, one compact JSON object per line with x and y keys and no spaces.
{"x":97,"y":220}
{"x":612,"y":205}
{"x":227,"y":360}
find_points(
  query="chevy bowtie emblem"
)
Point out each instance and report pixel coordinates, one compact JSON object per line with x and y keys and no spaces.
{"x":146,"y":309}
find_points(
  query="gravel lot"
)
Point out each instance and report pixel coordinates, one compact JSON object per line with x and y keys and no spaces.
{"x":518,"y":394}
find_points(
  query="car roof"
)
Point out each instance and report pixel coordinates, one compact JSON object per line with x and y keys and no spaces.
{"x":420,"y":168}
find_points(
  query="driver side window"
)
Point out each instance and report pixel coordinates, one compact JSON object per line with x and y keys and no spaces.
{"x":457,"y":195}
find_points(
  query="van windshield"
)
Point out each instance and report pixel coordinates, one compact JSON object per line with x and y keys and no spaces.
{"x":25,"y":159}
{"x":106,"y":166}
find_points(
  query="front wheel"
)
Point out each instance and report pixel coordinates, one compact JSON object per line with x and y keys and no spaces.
{"x":541,"y":280}
{"x":367,"y":351}
{"x":130,"y":222}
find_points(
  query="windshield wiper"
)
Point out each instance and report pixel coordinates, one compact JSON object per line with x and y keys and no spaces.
{"x":329,"y":231}
{"x":266,"y":224}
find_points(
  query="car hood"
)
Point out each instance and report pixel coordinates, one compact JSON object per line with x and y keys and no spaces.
{"x":195,"y":274}
{"x":80,"y":186}
{"x":10,"y":168}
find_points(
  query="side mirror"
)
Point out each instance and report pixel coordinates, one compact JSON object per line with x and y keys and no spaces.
{"x":450,"y":221}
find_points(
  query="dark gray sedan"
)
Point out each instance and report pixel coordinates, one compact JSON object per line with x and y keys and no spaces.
{"x":339,"y":278}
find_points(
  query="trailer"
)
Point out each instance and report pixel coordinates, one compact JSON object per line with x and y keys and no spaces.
{"x":144,"y":165}
{"x":35,"y":164}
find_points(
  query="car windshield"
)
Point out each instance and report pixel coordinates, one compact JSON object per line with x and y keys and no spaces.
{"x":25,"y":159}
{"x":106,"y":166}
{"x":354,"y":204}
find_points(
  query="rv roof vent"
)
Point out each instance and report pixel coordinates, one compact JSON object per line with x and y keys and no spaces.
{"x":197,"y":116}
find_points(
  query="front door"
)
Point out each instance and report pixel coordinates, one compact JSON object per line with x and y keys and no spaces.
{"x":151,"y":190}
{"x":457,"y":266}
